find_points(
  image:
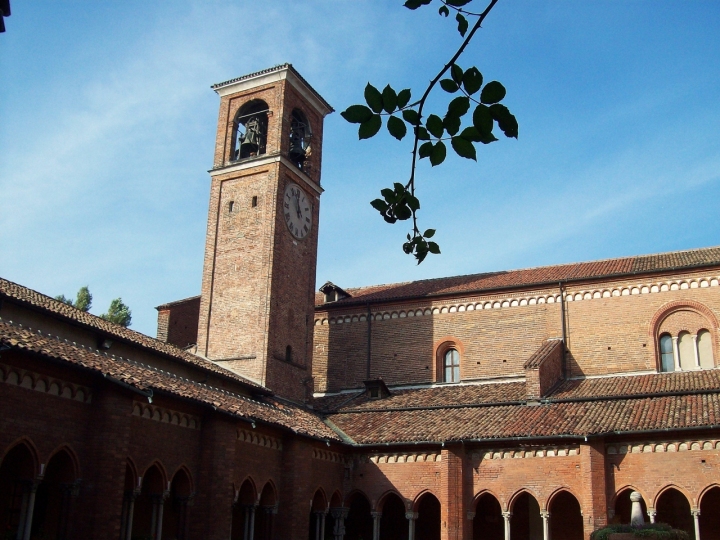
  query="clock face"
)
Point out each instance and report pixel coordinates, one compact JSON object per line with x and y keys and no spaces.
{"x":297,"y":210}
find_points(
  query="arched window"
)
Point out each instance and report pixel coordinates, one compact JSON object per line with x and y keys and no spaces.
{"x":705,"y":349}
{"x":667,"y":357}
{"x":250,"y":128}
{"x":451,"y":366}
{"x":300,"y":133}
{"x":686,"y":348}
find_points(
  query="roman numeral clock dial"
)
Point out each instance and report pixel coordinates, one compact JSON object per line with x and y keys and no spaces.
{"x":297,"y":210}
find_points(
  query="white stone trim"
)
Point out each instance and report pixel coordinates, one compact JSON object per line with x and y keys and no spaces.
{"x":259,"y":439}
{"x":661,"y":447}
{"x":514,"y":453}
{"x":47,"y":385}
{"x":406,"y":457}
{"x":260,"y":161}
{"x":166,"y":416}
{"x":529,"y":299}
{"x":327,"y":455}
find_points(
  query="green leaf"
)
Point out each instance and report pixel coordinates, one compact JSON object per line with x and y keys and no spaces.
{"x":463,"y":148}
{"x":457,"y":73}
{"x":492,"y":93}
{"x":399,"y":188}
{"x":403,"y":98}
{"x":413,"y":202}
{"x":379,"y":204}
{"x":483,"y":119}
{"x":459,"y":106}
{"x":356,"y":114}
{"x":487,"y":138}
{"x":449,"y":85}
{"x":420,"y":256}
{"x":411,"y":116}
{"x":505,"y":119}
{"x":434,"y":125}
{"x":472,"y":80}
{"x":414,"y":4}
{"x":425,"y":149}
{"x":438,"y":154}
{"x":429,"y":233}
{"x":444,"y":11}
{"x":462,"y":24}
{"x":471,"y":134}
{"x":433,"y":248}
{"x":396,"y":127}
{"x":389,"y":98}
{"x":389,"y":195}
{"x":451,"y":123}
{"x":373,"y":98}
{"x":422,"y":133}
{"x":369,"y":128}
{"x":403,"y":212}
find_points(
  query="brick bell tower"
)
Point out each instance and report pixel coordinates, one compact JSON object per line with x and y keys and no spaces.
{"x":258,"y":288}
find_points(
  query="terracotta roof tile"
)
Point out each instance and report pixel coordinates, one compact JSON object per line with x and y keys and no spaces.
{"x":65,"y":311}
{"x":530,"y":276}
{"x":655,"y":383}
{"x":144,"y":378}
{"x":547,"y":420}
{"x":423,"y":398}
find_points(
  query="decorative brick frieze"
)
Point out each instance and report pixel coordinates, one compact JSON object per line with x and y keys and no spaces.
{"x":404,"y":457}
{"x":513,"y":453}
{"x":259,"y":439}
{"x":660,"y":447}
{"x":47,"y":385}
{"x":531,"y":299}
{"x":166,"y":416}
{"x":327,"y":455}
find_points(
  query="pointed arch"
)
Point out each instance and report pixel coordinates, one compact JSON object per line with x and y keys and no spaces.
{"x":269,"y":494}
{"x":705,"y":491}
{"x":319,"y":501}
{"x":337,"y":499}
{"x":156,"y":467}
{"x":629,"y":487}
{"x":525,"y":521}
{"x":673,"y":506}
{"x":28,"y":445}
{"x":416,"y":501}
{"x":483,"y":493}
{"x":352,"y":494}
{"x":71,"y":455}
{"x":359,"y":522}
{"x":185,"y":481}
{"x":428,"y":509}
{"x":557,"y":492}
{"x":519,"y":493}
{"x":708,"y":503}
{"x":247,"y":493}
{"x":691,"y":501}
{"x":566,"y":519}
{"x":388,"y":494}
{"x":488,"y":521}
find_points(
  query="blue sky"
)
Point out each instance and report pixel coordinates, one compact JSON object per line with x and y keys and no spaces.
{"x":107,"y":129}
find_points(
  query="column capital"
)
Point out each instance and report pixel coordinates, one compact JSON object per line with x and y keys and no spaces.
{"x":339,"y":512}
{"x":695,"y":512}
{"x":651,"y":512}
{"x":544,"y":514}
{"x":411,"y":515}
{"x":507,"y":515}
{"x":376,"y":515}
{"x":471,"y":515}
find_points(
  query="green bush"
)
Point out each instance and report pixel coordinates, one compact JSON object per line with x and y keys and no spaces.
{"x":661,"y":531}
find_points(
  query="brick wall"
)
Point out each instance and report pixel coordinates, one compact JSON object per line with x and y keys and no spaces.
{"x":178,"y":322}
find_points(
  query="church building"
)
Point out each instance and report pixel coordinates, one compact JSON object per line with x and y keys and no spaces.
{"x":514,"y":405}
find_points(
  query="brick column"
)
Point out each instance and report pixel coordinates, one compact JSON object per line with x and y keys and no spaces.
{"x":100,"y":503}
{"x":214,"y":493}
{"x":594,"y":496}
{"x":295,"y":490}
{"x":452,"y":496}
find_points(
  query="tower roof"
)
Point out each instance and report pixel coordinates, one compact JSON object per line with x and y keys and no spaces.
{"x":281,"y":71}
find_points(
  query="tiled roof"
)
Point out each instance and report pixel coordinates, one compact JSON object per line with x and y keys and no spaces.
{"x":423,"y":398}
{"x":547,"y":420}
{"x":531,"y":276}
{"x":35,"y":299}
{"x":145,"y":378}
{"x":655,"y":383}
{"x":168,"y":305}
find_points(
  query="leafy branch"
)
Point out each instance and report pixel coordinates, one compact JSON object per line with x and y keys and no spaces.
{"x":399,"y":203}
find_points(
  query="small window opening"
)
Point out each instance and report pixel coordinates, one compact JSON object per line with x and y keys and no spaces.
{"x":374,"y":393}
{"x":288,"y":354}
{"x":330,"y":296}
{"x":300,"y":134}
{"x":667,"y":356}
{"x":254,"y":201}
{"x":250,"y":128}
{"x":231,"y":206}
{"x":451,"y":364}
